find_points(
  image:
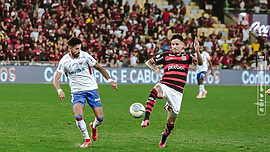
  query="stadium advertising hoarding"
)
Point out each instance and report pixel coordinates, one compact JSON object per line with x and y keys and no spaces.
{"x":258,"y":23}
{"x":40,"y":74}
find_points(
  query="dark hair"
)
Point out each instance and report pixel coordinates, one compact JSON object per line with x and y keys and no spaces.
{"x":177,"y":36}
{"x":74,"y":41}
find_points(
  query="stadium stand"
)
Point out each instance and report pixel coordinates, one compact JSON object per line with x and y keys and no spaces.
{"x":125,"y":33}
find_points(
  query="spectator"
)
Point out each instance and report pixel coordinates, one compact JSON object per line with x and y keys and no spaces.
{"x":208,"y":6}
{"x":166,"y":17}
{"x":208,"y":44}
{"x":246,"y":33}
{"x":133,"y":59}
{"x":125,"y":60}
{"x":255,"y":47}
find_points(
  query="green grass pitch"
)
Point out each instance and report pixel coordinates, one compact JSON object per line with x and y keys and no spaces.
{"x":33,"y":119}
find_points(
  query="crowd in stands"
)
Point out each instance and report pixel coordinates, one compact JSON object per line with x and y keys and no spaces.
{"x":258,"y":6}
{"x":115,"y":34}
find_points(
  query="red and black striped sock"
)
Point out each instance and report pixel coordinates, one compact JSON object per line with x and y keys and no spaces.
{"x":169,"y":129}
{"x":167,"y":132}
{"x":150,"y":103}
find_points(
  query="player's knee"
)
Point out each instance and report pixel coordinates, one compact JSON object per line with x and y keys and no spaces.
{"x":100,"y":119}
{"x":171,"y":117}
{"x":159,"y":92}
{"x":79,"y":117}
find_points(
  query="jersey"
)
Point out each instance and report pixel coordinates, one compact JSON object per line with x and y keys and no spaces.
{"x":203,"y":68}
{"x":175,"y":68}
{"x":78,"y":71}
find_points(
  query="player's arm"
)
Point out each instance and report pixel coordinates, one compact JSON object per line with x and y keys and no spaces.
{"x":194,"y":66}
{"x":198,"y":54}
{"x":210,"y":65}
{"x":149,"y":63}
{"x":106,"y":75}
{"x":56,"y":84}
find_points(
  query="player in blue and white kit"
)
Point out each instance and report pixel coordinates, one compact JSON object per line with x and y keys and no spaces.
{"x":201,"y":72}
{"x":77,"y":66}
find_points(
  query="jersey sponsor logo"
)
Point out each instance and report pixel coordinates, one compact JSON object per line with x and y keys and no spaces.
{"x":176,"y":67}
{"x":77,"y":71}
{"x":184,"y":58}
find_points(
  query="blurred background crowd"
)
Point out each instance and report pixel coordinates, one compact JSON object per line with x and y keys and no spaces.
{"x":121,"y":34}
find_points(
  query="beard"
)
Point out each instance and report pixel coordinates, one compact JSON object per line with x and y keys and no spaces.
{"x":75,"y":55}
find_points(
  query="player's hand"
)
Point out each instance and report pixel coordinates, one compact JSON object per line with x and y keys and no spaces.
{"x":212,"y":73}
{"x":114,"y":85}
{"x":61,"y":95}
{"x":268,"y":92}
{"x":157,"y":71}
{"x":196,"y":44}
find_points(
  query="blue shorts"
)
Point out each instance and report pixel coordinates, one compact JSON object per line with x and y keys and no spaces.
{"x":91,"y":97}
{"x":201,"y":75}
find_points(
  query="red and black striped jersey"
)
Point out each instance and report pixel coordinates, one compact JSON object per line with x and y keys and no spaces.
{"x":175,"y":68}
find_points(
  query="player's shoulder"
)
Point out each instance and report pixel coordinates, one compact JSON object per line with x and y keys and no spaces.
{"x":66,"y":57}
{"x":84,"y":54}
{"x":87,"y":56}
{"x":165,"y":53}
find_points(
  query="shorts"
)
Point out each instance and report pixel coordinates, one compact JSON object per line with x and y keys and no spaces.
{"x":91,"y":97}
{"x":173,"y":97}
{"x":201,"y":75}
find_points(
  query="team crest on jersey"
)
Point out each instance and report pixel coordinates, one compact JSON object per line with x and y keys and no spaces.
{"x":184,"y":58}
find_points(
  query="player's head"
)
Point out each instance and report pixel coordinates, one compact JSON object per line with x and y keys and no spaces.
{"x":177,"y":43}
{"x":74,"y":46}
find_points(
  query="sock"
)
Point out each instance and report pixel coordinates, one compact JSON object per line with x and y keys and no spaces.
{"x":167,"y":132}
{"x":97,"y":121}
{"x":150,"y":103}
{"x":169,"y":129}
{"x":201,"y":89}
{"x":82,"y":126}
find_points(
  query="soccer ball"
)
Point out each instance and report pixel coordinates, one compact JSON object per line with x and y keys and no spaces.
{"x":137,"y":110}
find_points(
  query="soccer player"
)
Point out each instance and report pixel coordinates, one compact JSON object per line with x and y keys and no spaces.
{"x":202,"y":70}
{"x":175,"y":63}
{"x":77,"y":66}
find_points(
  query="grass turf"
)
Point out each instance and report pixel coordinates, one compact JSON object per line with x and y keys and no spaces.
{"x":33,"y":119}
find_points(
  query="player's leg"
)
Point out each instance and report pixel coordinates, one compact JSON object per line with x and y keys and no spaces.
{"x":200,"y":79}
{"x":98,"y":121}
{"x":94,"y":102}
{"x":169,"y":127}
{"x":78,"y":112}
{"x":173,"y":105}
{"x":199,"y":83}
{"x":156,"y":92}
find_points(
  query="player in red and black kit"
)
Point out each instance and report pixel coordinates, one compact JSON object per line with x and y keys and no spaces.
{"x":175,"y":63}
